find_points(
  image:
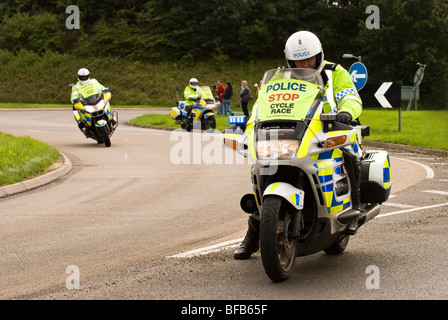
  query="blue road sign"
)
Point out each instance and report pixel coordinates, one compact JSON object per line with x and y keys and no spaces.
{"x":358,"y":72}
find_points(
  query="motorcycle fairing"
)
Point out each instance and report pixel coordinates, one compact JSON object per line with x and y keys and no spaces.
{"x":330,"y":171}
{"x":208,"y":114}
{"x":293,"y":195}
{"x":88,"y":110}
{"x":100,"y":123}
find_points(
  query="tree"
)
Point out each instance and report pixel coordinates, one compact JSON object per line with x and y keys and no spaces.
{"x":410,"y":31}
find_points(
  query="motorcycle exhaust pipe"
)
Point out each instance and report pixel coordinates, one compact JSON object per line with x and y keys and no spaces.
{"x":249,"y":204}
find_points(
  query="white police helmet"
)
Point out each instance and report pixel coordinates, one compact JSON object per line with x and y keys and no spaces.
{"x":83,"y":74}
{"x":194,"y":83}
{"x":303,"y":45}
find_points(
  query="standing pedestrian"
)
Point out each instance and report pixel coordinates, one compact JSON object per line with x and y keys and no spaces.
{"x":220,"y":93}
{"x":245,"y":97}
{"x":227,"y":99}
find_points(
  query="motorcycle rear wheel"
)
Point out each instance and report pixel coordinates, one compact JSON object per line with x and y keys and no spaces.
{"x":338,"y":246}
{"x":278,"y":249}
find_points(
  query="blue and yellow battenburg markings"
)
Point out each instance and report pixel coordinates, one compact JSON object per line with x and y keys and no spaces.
{"x":386,"y":173}
{"x":295,"y":198}
{"x":326,"y":163}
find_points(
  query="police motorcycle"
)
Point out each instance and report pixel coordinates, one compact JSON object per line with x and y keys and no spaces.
{"x":95,"y":113}
{"x":301,"y":177}
{"x":202,"y":112}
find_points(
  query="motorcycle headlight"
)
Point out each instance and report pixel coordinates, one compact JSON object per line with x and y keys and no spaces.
{"x":99,"y":106}
{"x":282,"y":149}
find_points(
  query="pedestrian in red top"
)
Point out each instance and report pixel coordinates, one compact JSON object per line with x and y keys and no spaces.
{"x":220,"y":93}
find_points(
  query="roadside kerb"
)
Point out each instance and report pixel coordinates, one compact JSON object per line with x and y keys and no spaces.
{"x":38,"y":181}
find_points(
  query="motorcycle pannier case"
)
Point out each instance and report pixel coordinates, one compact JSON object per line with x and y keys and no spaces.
{"x":175,"y":112}
{"x":375,"y":177}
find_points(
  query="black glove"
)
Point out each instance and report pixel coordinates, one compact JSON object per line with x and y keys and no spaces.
{"x":344,"y":117}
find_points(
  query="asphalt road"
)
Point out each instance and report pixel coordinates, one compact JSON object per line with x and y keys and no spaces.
{"x":121,"y":219}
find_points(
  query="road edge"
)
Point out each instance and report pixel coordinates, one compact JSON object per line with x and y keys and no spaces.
{"x":39,"y":181}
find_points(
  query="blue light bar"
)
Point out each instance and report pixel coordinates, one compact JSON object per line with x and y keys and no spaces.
{"x":238,"y":120}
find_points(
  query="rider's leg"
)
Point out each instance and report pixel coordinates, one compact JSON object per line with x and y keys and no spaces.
{"x":250,"y":243}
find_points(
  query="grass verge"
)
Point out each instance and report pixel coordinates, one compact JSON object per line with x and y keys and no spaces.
{"x":23,"y":158}
{"x":427,"y":129}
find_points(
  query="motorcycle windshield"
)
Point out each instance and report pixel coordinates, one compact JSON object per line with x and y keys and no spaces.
{"x":289,"y":94}
{"x":92,"y":100}
{"x":207,"y":94}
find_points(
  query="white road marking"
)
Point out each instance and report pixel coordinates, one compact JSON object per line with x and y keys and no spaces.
{"x":209,"y":249}
{"x":411,"y":210}
{"x":398,"y":205}
{"x":429,"y":171}
{"x":437,"y":192}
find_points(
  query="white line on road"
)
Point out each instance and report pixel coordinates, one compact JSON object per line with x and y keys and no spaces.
{"x":398,"y":205}
{"x":413,"y":209}
{"x":429,"y":171}
{"x":437,"y":192}
{"x":209,"y":249}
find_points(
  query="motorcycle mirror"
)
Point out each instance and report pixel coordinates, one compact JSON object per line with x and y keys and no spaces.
{"x":177,"y":88}
{"x":71,"y":85}
{"x":105,"y":90}
{"x":248,"y":203}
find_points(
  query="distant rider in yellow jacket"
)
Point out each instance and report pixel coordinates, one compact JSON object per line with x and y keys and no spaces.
{"x":303,"y":49}
{"x":192,"y":92}
{"x":84,"y":88}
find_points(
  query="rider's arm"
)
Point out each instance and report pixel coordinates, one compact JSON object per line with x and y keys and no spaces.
{"x":351,"y":106}
{"x":75,"y":94}
{"x":100,"y":86}
{"x":346,"y":95}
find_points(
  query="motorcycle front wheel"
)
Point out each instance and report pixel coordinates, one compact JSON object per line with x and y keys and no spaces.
{"x":278,"y":249}
{"x":105,"y":136}
{"x":209,"y":123}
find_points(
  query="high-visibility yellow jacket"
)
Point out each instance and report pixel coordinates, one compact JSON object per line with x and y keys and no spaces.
{"x":191,"y":94}
{"x":340,"y":93}
{"x":86,"y":89}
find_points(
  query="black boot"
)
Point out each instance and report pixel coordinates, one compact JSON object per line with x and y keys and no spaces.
{"x":250,"y":243}
{"x":353,"y":227}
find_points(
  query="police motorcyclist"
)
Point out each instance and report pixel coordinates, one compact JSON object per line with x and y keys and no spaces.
{"x":84,"y":88}
{"x":303,"y":49}
{"x":192,"y":93}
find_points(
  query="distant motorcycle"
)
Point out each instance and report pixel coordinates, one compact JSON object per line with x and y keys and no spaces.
{"x":302,"y":175}
{"x":94,"y":111}
{"x":203,"y":111}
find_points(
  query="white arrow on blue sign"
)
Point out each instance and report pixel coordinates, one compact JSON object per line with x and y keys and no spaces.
{"x":358,"y":72}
